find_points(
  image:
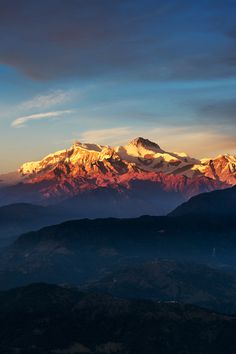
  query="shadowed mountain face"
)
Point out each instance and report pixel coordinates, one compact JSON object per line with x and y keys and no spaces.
{"x":83,"y":250}
{"x":166,"y":280}
{"x":156,"y":194}
{"x":135,"y":179}
{"x":49,"y":319}
{"x":123,"y":258}
{"x":77,"y":252}
{"x":18,"y":218}
{"x":217,"y":203}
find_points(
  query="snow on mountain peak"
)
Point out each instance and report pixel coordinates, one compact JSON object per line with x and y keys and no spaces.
{"x":139,"y":154}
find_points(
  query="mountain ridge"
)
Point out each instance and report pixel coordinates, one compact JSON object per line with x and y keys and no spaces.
{"x":139,"y":153}
{"x":86,"y":167}
{"x":82,"y":250}
{"x":219,"y":202}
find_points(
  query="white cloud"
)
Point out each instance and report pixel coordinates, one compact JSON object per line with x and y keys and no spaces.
{"x":20,"y":122}
{"x":50,"y":99}
{"x":106,"y":136}
{"x":195,"y":143}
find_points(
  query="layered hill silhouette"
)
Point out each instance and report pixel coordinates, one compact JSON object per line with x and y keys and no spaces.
{"x":209,"y":204}
{"x":83,"y":250}
{"x":44,"y":318}
{"x":168,"y":280}
{"x":130,"y":285}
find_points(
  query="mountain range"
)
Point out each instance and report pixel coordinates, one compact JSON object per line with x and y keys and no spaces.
{"x":81,"y":251}
{"x":163,"y":284}
{"x":135,"y":179}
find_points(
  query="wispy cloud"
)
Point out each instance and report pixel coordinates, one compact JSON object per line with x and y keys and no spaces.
{"x":21,"y":121}
{"x":106,"y":136}
{"x":198,"y":144}
{"x":47,"y":100}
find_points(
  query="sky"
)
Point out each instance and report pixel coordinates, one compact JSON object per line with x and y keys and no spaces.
{"x":107,"y":71}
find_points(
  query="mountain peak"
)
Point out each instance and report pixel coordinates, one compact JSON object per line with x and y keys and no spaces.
{"x":139,"y":141}
{"x":87,"y":161}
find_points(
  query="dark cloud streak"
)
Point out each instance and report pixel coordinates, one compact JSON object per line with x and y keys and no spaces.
{"x":135,"y":39}
{"x":223,"y":112}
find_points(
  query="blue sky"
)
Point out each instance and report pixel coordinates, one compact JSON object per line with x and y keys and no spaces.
{"x":108,"y":71}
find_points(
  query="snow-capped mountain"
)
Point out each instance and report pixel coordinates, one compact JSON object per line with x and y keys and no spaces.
{"x":139,"y":156}
{"x":150,"y":157}
{"x":135,"y":170}
{"x":79,"y":160}
{"x":222,"y":168}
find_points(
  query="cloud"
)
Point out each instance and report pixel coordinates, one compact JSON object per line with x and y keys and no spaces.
{"x":202,"y":143}
{"x":198,"y":143}
{"x":21,"y":121}
{"x":106,"y":136}
{"x":50,"y":99}
{"x":136,"y":39}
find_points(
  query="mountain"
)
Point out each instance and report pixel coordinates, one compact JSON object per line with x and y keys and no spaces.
{"x":168,"y":280}
{"x":216,"y":203}
{"x":139,"y":155}
{"x":85,"y":250}
{"x":43,"y":318}
{"x":18,"y":218}
{"x":165,"y":179}
{"x":222,"y":168}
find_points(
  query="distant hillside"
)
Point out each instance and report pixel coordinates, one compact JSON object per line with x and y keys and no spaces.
{"x":83,"y":250}
{"x":18,"y":218}
{"x":222,"y":202}
{"x":166,"y":280}
{"x":49,"y":319}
